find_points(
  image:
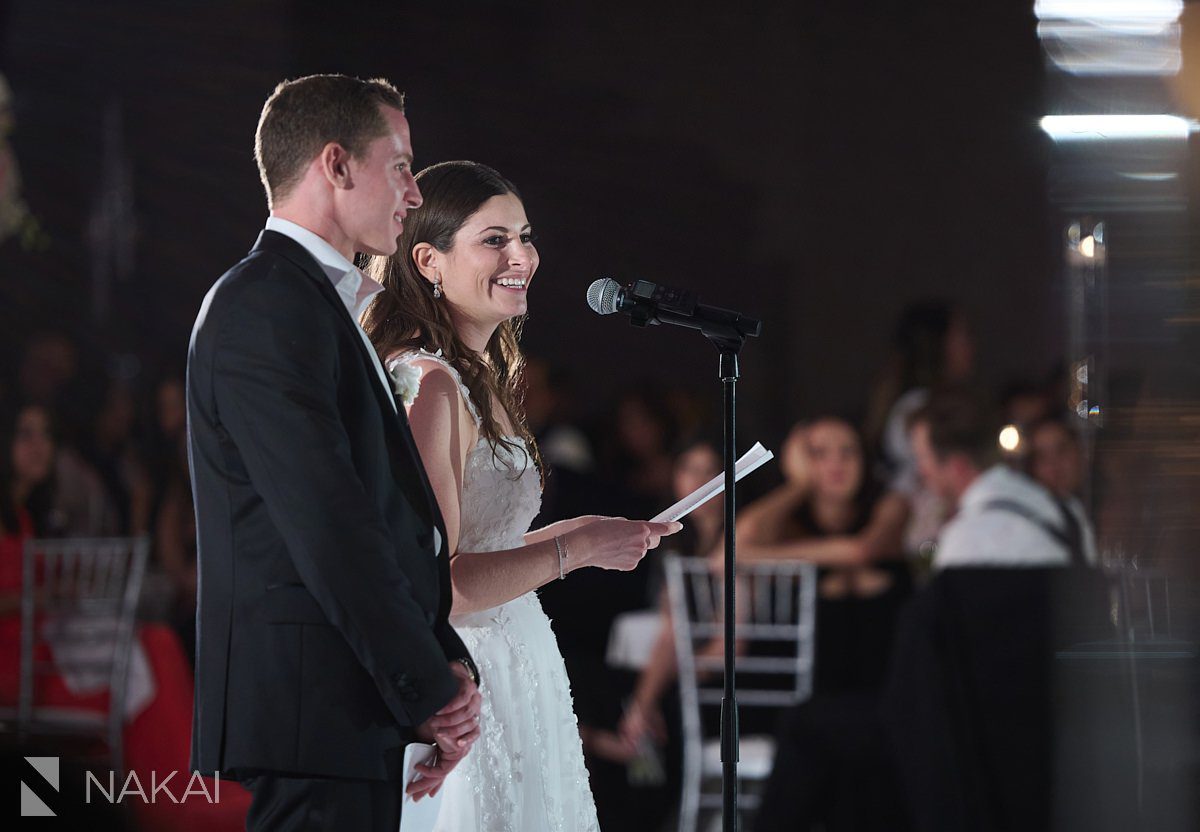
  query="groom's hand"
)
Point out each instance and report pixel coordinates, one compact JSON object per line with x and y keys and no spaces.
{"x":454,"y":729}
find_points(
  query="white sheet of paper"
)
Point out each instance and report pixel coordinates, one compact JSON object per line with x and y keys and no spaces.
{"x":752,"y":460}
{"x":418,"y":816}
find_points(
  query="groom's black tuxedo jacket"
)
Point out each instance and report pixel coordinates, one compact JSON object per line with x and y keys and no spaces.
{"x":322,"y":620}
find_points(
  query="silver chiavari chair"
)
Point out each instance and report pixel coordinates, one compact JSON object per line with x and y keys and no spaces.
{"x":80,"y":595}
{"x":776,"y":642}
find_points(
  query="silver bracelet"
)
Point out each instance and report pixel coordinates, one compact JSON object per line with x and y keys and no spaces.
{"x":561,"y":548}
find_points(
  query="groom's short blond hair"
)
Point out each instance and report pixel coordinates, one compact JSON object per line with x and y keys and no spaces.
{"x":305,"y":114}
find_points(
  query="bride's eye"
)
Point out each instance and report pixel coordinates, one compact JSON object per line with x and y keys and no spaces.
{"x":528,"y":237}
{"x":496,"y":240}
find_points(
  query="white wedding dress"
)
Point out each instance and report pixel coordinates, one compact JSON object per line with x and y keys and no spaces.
{"x":526,"y":771}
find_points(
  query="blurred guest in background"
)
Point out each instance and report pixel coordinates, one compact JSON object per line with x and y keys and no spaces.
{"x":932,"y":348}
{"x":174,"y":518}
{"x":113,"y":451}
{"x":25,"y":459}
{"x":639,"y":456}
{"x":159,"y":703}
{"x":830,"y":769}
{"x":62,"y":494}
{"x":166,"y":446}
{"x":619,"y":739}
{"x":702,"y":535}
{"x":633,"y":479}
{"x":1003,"y":517}
{"x":547,"y":397}
{"x":1055,"y":456}
{"x":830,"y":512}
{"x":1022,"y":403}
{"x":571,"y":482}
{"x":48,"y":366}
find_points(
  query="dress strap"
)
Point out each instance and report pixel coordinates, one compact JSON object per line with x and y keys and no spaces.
{"x":408,"y":358}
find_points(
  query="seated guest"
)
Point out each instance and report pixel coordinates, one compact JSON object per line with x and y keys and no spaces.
{"x":62,"y":494}
{"x":1023,"y":403}
{"x":932,"y":348}
{"x":174,"y":518}
{"x":979,"y":704}
{"x":829,"y":512}
{"x":702,"y":534}
{"x":111,"y":448}
{"x":1003,"y":517}
{"x":32,"y":453}
{"x":159,"y":707}
{"x":617,"y":743}
{"x":638,"y":458}
{"x":831,"y":770}
{"x":1055,"y":456}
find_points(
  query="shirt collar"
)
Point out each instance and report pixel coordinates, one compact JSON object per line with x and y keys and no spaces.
{"x":1001,"y":482}
{"x":353,"y":287}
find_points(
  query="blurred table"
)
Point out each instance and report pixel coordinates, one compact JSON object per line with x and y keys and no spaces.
{"x":631,"y":640}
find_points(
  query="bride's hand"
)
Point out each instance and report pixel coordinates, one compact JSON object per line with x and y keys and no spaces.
{"x":614,"y":543}
{"x":456,"y":726}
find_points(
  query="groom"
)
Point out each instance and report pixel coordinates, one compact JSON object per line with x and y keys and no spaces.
{"x":323,"y":644}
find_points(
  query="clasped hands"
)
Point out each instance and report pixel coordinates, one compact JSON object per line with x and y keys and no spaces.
{"x":454,"y":730}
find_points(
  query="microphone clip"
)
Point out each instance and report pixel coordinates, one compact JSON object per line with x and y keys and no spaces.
{"x":655,"y":299}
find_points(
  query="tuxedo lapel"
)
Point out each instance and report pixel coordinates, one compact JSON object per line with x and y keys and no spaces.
{"x":394,"y":415}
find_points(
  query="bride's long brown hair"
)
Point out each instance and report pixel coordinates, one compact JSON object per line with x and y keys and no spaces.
{"x":406,"y":315}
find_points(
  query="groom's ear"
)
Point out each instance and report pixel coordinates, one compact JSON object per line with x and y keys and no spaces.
{"x":334,"y":163}
{"x":426,"y":258}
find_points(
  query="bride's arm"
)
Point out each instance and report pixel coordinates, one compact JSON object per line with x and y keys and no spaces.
{"x":560,"y":528}
{"x":445,"y":432}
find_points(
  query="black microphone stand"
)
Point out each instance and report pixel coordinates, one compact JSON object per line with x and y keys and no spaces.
{"x":728,"y":336}
{"x":729,"y":373}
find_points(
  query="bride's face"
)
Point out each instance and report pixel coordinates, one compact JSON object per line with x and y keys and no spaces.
{"x":487,"y":273}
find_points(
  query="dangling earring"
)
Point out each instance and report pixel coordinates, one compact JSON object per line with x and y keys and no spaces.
{"x":437,"y":288}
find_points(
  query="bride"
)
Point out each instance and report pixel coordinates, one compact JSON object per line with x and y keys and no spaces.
{"x":447,"y":327}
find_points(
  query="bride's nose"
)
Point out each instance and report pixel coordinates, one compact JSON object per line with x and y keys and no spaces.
{"x":519,"y":257}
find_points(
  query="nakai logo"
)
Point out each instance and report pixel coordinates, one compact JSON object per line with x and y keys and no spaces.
{"x":33,"y":798}
{"x":33,"y":806}
{"x":195,"y":787}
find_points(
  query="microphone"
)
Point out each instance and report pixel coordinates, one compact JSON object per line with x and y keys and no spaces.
{"x":648,"y":304}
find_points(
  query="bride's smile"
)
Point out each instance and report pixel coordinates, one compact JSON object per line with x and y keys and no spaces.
{"x":487,"y":273}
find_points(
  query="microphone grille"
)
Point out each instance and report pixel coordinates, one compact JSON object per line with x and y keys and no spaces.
{"x":602,"y":296}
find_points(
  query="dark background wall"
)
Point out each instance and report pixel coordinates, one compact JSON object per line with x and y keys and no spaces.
{"x":816,"y":164}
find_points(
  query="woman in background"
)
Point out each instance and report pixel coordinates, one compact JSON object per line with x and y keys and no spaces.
{"x":830,"y":513}
{"x":157,"y":731}
{"x":831,"y":771}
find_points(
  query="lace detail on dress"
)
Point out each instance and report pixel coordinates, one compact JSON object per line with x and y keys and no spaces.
{"x":410,"y":357}
{"x":500,"y":497}
{"x":526,"y":773}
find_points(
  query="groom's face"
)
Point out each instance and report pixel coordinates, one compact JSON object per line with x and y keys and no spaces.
{"x":383,"y":189}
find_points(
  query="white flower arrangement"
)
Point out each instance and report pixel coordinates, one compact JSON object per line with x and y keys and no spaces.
{"x":406,"y":381}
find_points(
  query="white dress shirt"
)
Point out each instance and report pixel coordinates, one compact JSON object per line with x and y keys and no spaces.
{"x":980,"y":535}
{"x":353,"y":287}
